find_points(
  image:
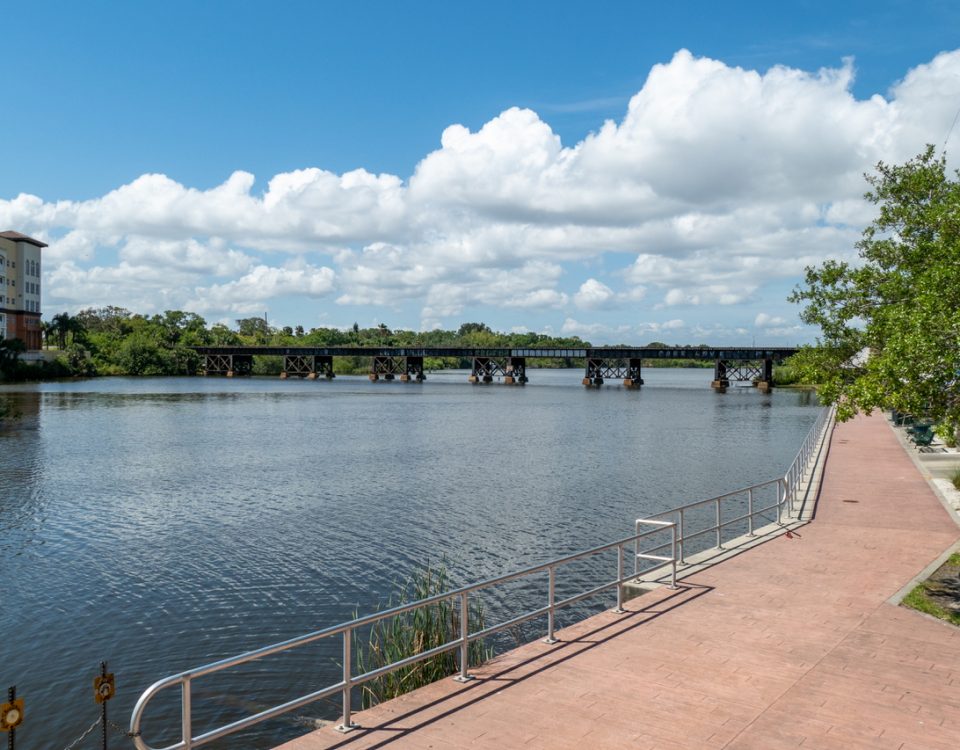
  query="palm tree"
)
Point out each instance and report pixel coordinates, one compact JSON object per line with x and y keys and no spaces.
{"x":64,"y":324}
{"x":59,"y":325}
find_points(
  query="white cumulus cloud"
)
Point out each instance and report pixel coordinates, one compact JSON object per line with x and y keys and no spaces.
{"x":717,"y":184}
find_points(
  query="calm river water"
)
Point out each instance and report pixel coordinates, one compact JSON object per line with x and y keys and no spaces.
{"x":164,"y":523}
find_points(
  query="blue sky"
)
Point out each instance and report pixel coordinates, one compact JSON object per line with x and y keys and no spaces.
{"x":687,"y":220}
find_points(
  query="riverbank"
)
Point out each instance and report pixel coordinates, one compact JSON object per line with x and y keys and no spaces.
{"x":795,"y":642}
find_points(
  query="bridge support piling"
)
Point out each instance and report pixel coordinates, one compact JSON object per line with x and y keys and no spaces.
{"x":306,"y":366}
{"x":230,"y":365}
{"x":484,"y":368}
{"x":765,"y":383}
{"x":324,"y":366}
{"x":383,"y":367}
{"x":515,"y":371}
{"x":404,"y":368}
{"x":632,"y":377}
{"x":594,"y":374}
{"x":720,"y":381}
{"x":413,"y":370}
{"x":628,"y":370}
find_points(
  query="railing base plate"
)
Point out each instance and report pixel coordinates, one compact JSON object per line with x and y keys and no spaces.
{"x":462,"y":678}
{"x":550,"y":641}
{"x":344,"y":728}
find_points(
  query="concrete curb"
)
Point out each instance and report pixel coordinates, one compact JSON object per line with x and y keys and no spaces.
{"x":928,"y":571}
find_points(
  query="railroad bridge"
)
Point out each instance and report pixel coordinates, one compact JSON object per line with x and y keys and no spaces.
{"x":737,"y":364}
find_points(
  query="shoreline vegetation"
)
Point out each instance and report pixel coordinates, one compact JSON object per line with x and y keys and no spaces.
{"x":114,"y":341}
{"x":414,"y":632}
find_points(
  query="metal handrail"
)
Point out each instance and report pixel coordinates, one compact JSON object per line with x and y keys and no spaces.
{"x":786,"y":493}
{"x":349,"y":680}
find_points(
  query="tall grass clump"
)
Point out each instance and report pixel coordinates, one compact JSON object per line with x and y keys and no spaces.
{"x":414,"y":632}
{"x":787,"y":375}
{"x":956,"y":479}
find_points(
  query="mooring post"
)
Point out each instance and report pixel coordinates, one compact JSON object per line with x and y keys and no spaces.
{"x":12,"y":732}
{"x":103,"y":708}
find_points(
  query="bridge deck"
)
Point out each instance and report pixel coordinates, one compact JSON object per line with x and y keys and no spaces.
{"x":790,"y":644}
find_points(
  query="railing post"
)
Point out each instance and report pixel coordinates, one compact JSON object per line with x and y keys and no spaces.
{"x":673,"y":554}
{"x":346,"y":725}
{"x":750,"y":510}
{"x":716,"y":505}
{"x":680,"y":541}
{"x":186,"y":720}
{"x":619,"y":609}
{"x":636,"y":548}
{"x":551,"y":594}
{"x":464,"y":675}
{"x":782,"y":497}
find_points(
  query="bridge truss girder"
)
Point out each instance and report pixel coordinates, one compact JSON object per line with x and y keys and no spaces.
{"x":757,"y":372}
{"x":231,"y":365}
{"x":307,"y":366}
{"x":389,"y":368}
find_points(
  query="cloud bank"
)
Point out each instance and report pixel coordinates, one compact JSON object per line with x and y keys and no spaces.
{"x":718,"y":185}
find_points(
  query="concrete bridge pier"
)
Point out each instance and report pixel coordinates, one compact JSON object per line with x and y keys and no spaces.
{"x":515,"y":371}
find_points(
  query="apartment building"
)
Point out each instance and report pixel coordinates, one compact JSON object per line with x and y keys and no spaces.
{"x":20,"y":287}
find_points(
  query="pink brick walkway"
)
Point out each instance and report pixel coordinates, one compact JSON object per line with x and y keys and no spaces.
{"x":791,"y":644}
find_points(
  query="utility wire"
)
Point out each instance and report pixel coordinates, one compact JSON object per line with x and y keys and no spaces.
{"x":952,"y":126}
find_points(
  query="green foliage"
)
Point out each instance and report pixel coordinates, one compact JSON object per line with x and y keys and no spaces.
{"x":947,"y":432}
{"x":414,"y":632}
{"x":939,"y":595}
{"x":918,"y":600}
{"x":10,"y":351}
{"x":786,"y":374}
{"x":956,"y":479}
{"x":891,"y":322}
